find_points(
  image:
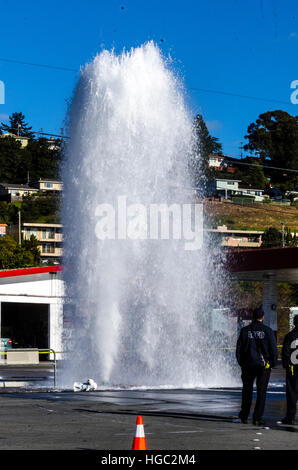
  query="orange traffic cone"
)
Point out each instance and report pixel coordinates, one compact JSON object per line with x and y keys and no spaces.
{"x":139,"y":442}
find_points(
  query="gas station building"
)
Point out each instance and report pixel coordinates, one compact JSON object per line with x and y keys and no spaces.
{"x":31,"y":307}
{"x":269,"y":266}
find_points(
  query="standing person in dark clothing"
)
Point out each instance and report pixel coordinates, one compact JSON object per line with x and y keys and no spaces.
{"x":256,"y":354}
{"x":290,"y":363}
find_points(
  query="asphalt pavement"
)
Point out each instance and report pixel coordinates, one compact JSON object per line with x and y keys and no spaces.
{"x":40,"y":417}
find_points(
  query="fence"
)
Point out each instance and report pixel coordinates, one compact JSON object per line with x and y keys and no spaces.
{"x":24,"y":357}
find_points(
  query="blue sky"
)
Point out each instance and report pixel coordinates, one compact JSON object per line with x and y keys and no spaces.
{"x":245,"y":47}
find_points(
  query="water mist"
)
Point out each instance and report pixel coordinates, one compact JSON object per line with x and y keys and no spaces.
{"x":140,"y":308}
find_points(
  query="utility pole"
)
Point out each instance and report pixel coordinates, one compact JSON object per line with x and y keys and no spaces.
{"x":241,"y":150}
{"x":19,"y":214}
{"x":283,"y":234}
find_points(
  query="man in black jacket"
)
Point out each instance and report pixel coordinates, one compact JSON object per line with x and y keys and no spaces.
{"x":256,"y":354}
{"x":290,"y":363}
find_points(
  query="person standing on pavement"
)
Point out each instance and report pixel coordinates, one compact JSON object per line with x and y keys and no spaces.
{"x":290,"y":363}
{"x":256,"y":353}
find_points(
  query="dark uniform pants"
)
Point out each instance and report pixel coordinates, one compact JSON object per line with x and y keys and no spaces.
{"x":292,"y":393}
{"x":262,"y":376}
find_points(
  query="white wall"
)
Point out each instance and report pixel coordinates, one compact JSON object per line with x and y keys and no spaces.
{"x":39,"y":289}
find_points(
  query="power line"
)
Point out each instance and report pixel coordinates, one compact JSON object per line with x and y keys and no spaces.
{"x":52,"y":135}
{"x":67,"y":69}
{"x":205,"y":90}
{"x":257,"y":98}
{"x":41,"y":133}
{"x":263,"y":166}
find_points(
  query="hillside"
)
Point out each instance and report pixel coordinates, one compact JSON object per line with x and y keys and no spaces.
{"x":256,"y":216}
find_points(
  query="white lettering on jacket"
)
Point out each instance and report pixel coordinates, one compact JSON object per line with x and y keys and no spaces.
{"x":256,"y":334}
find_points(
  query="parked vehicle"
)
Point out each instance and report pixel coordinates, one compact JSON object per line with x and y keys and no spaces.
{"x":5,"y":343}
{"x":275,"y":194}
{"x":292,"y":195}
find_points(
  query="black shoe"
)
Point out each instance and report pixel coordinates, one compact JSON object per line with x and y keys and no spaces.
{"x":242,"y":419}
{"x":258,"y":422}
{"x":287,"y":421}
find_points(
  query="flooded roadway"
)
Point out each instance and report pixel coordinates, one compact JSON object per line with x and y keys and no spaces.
{"x":223,"y":402}
{"x":42,"y":417}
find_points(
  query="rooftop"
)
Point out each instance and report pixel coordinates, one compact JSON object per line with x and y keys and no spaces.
{"x":233,"y":231}
{"x":31,"y":224}
{"x":30,"y":271}
{"x":45,"y":180}
{"x":17,"y":186}
{"x":228,"y":179}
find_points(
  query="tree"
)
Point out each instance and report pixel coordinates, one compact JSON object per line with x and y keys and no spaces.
{"x":45,"y":209}
{"x":17,"y":125}
{"x":290,"y":239}
{"x":11,"y":156}
{"x":271,"y":238}
{"x":8,"y":213}
{"x":32,"y":245}
{"x":38,"y":158}
{"x":13,"y":255}
{"x":204,"y":145}
{"x":254,"y":177}
{"x":274,"y":137}
{"x":42,"y":161}
{"x":215,"y":146}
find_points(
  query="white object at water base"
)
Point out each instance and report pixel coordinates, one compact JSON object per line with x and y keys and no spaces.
{"x":88,"y":386}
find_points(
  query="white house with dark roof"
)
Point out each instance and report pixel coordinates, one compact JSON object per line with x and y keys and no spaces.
{"x":16,"y":191}
{"x":228,"y":187}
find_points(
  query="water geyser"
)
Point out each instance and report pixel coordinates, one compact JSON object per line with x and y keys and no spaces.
{"x":140,"y":308}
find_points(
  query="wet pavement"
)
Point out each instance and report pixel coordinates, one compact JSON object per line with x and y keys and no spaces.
{"x":212,"y":403}
{"x":40,"y":418}
{"x":224,"y":401}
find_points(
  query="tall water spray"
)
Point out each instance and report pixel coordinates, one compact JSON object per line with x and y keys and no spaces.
{"x":140,"y":306}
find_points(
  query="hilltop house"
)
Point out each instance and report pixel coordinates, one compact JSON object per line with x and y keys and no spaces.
{"x":227,"y":188}
{"x":13,"y":192}
{"x":19,"y":138}
{"x":48,"y":185}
